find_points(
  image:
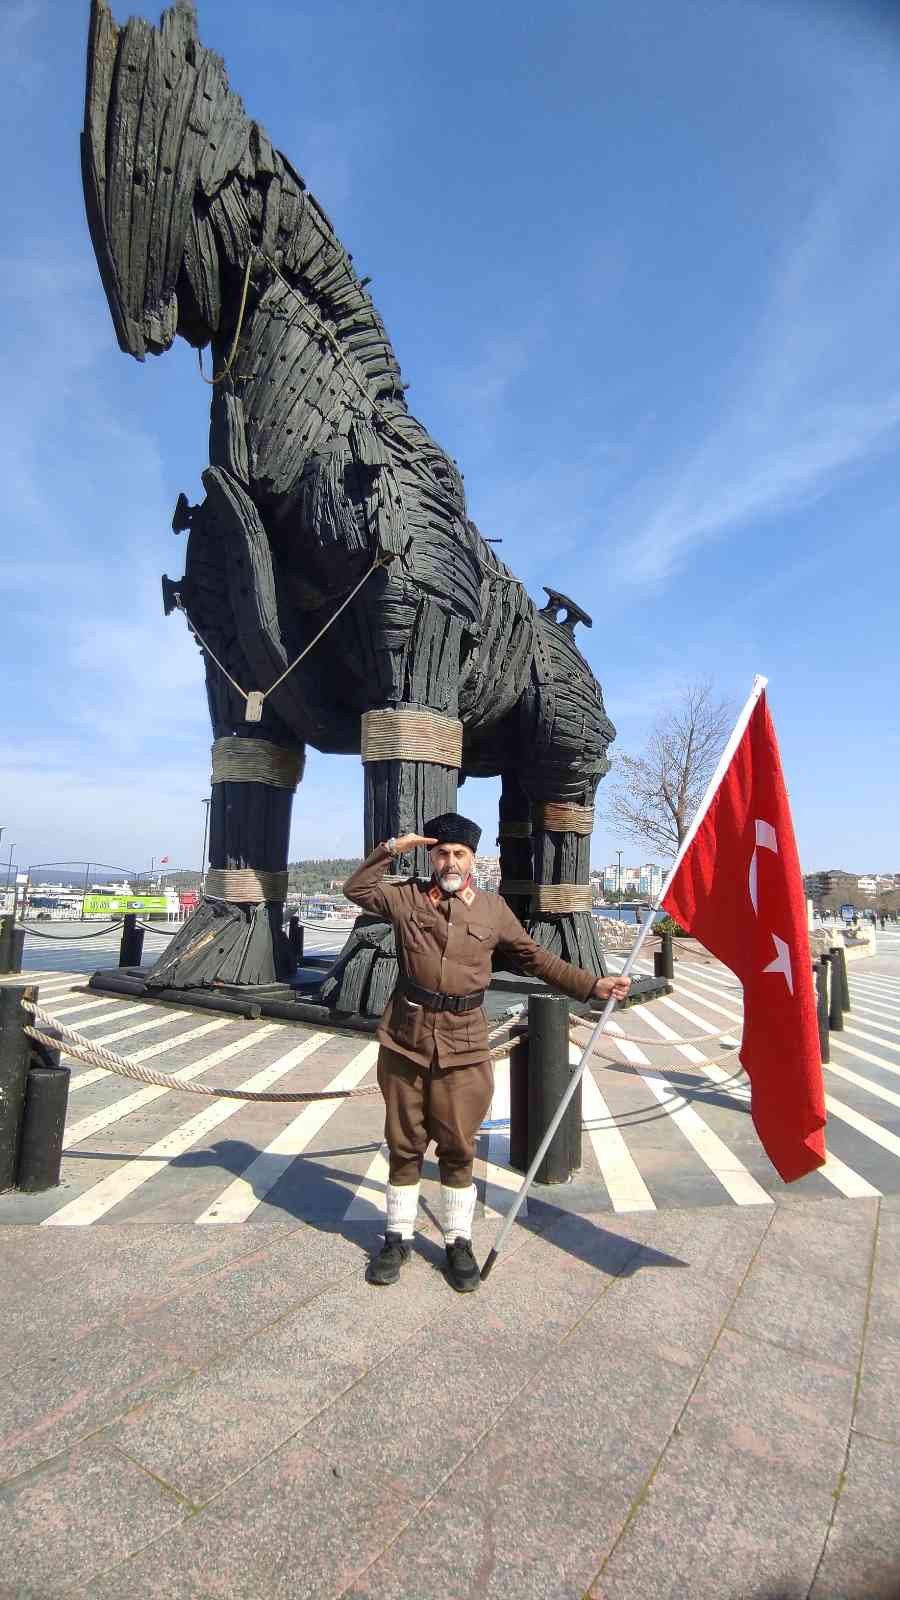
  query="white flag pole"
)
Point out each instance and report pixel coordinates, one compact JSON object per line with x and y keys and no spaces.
{"x":759,"y":684}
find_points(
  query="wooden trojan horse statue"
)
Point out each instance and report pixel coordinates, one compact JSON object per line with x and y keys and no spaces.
{"x":339,"y":592}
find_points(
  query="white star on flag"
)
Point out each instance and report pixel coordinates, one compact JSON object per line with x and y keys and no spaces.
{"x":782,"y":962}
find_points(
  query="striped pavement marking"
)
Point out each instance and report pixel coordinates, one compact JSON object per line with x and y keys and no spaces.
{"x":30,"y":977}
{"x":836,"y":1172}
{"x":368,"y":1199}
{"x":367,"y":1204}
{"x":92,"y":1074}
{"x":86,"y":1208}
{"x":837,"y":1108}
{"x":133,"y":1102}
{"x":131,"y":1010}
{"x":727,"y":1167}
{"x":70,"y":1011}
{"x":241,"y":1198}
{"x":501,"y":1182}
{"x":626,"y":1188}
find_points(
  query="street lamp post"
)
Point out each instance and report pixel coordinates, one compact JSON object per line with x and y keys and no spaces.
{"x":619,"y":854}
{"x":206,"y":803}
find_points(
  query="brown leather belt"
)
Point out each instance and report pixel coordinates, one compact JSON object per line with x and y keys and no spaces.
{"x":433,"y":1000}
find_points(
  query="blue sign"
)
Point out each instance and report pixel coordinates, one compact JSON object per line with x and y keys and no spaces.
{"x":848,"y":913}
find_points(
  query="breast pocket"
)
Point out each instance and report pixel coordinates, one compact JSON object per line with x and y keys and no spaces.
{"x":417,"y":931}
{"x":482,"y":934}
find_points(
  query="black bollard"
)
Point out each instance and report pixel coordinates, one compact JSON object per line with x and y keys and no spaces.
{"x":14,"y":1060}
{"x":835,"y":998}
{"x":820,"y":971}
{"x":131,"y":948}
{"x":6,"y":933}
{"x":663,"y":959}
{"x":43,"y":1122}
{"x":839,"y":966}
{"x":16,"y":950}
{"x":547,"y":1076}
{"x":295,"y":939}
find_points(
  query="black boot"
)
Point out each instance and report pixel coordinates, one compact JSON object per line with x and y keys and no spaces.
{"x":394,"y":1254}
{"x":462,"y":1268}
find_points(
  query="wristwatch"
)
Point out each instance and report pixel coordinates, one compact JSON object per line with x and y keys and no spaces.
{"x":391,"y":844}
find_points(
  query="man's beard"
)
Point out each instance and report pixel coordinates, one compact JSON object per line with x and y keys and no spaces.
{"x":451,"y":881}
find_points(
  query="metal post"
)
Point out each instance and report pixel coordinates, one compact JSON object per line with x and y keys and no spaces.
{"x":535,"y":1094}
{"x":295,"y":939}
{"x":7,"y":925}
{"x":14,"y":1059}
{"x":835,"y":999}
{"x":820,"y":971}
{"x":43,"y":1122}
{"x":131,"y":948}
{"x":663,"y":959}
{"x":841,"y":955}
{"x":206,"y":803}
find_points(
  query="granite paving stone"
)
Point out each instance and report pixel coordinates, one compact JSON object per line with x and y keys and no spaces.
{"x":878,"y":1405}
{"x":83,"y":1511}
{"x":51,"y":1403}
{"x":507,"y":1528}
{"x":862,"y":1557}
{"x":803,"y":1311}
{"x":713,"y":1526}
{"x":246,"y":1295}
{"x":290,"y":1529}
{"x":415,"y":1417}
{"x":778,"y":1408}
{"x":790,"y":1242}
{"x":207,"y":1432}
{"x":132,"y":1275}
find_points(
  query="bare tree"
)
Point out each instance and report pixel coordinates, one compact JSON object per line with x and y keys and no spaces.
{"x":654,"y":796}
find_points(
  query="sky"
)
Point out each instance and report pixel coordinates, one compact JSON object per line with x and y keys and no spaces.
{"x":641,"y":266}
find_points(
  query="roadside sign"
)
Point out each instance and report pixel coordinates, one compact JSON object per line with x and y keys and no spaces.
{"x":116,"y":905}
{"x":848,"y":913}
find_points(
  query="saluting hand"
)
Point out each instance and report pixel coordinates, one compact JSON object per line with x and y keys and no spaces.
{"x":411,"y":841}
{"x":619,"y":987}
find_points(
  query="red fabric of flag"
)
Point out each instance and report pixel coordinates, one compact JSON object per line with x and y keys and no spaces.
{"x":739,"y":890}
{"x":162,"y":859}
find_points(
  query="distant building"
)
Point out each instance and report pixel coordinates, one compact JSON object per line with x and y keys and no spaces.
{"x":641,"y":883}
{"x":487,"y":873}
{"x":834,"y":882}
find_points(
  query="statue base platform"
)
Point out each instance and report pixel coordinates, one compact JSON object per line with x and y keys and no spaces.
{"x":296,"y":1002}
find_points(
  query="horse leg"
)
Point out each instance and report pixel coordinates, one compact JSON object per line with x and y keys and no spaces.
{"x":236,"y":934}
{"x":514,"y":839}
{"x":411,"y":748}
{"x":560,"y":912}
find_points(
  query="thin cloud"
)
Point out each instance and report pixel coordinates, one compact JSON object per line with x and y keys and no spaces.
{"x":820,"y":390}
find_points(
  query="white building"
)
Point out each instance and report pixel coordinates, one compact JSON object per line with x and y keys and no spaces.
{"x":641,"y":882}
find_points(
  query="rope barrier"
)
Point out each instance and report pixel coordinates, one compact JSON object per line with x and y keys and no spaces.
{"x":84,"y":1050}
{"x":615,"y":1038}
{"x":161,"y":933}
{"x":634,"y":1038}
{"x":65,"y":938}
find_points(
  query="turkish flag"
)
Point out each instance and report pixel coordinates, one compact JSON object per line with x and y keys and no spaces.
{"x":739,"y":890}
{"x":162,"y":859}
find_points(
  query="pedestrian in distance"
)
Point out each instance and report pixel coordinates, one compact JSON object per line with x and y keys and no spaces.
{"x":434,"y":1067}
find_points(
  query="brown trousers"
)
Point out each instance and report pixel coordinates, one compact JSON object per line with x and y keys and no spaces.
{"x":446,"y":1104}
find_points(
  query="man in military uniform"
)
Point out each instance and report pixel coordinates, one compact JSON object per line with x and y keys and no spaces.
{"x":434,"y":1067}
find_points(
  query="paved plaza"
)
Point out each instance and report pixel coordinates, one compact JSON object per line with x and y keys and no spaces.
{"x":680,"y":1380}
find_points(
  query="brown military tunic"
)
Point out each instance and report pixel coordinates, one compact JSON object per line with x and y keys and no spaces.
{"x":434,"y":1067}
